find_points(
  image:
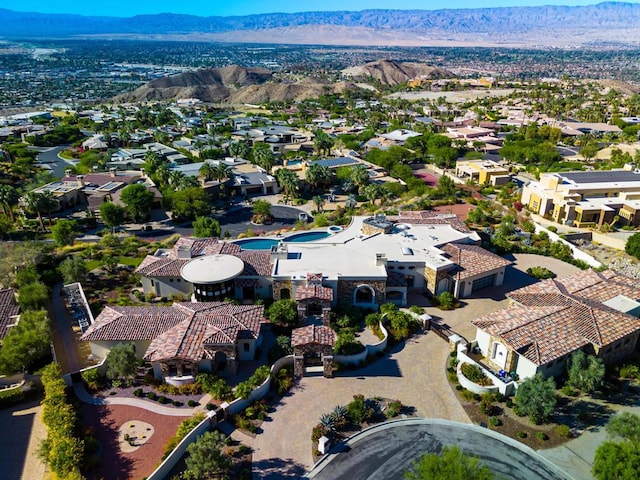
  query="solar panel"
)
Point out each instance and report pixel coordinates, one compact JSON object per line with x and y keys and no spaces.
{"x":602,"y":176}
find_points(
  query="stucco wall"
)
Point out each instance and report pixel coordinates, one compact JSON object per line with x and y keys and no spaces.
{"x":101,"y":349}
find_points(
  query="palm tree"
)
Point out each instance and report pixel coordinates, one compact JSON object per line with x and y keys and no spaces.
{"x":360,"y":176}
{"x":176,"y":177}
{"x":371,"y":192}
{"x":318,"y":201}
{"x":8,"y":198}
{"x":163,"y":173}
{"x":152,"y":162}
{"x":222,"y":172}
{"x":207,"y":171}
{"x":34,"y":203}
{"x":288,"y":181}
{"x":239,"y":149}
{"x":263,"y":156}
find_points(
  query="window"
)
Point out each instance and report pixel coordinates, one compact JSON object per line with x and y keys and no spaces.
{"x":245,"y":346}
{"x":179,"y":280}
{"x":171,"y":280}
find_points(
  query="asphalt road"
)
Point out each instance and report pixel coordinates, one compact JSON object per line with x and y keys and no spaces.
{"x":49,"y":156}
{"x":387,"y":451}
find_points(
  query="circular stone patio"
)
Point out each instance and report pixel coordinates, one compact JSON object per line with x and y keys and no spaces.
{"x":133,"y":434}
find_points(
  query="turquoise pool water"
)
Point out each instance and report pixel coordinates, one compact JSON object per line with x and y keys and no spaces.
{"x":307,"y":237}
{"x":267,"y":243}
{"x":257,"y":243}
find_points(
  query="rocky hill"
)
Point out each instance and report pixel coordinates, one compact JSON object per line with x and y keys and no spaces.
{"x":389,"y":72}
{"x":609,"y":23}
{"x":233,"y":85}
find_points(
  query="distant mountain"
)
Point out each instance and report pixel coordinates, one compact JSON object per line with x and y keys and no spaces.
{"x":389,"y":72}
{"x":609,"y":22}
{"x":233,"y":85}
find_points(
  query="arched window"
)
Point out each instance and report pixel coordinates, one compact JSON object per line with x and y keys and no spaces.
{"x":364,"y":294}
{"x":285,"y":294}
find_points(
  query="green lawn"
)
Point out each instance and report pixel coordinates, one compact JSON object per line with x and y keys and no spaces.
{"x":91,"y":264}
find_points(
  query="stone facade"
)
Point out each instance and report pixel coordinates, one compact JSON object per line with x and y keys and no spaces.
{"x":432,"y":278}
{"x":327,"y":366}
{"x":347,"y":287}
{"x":278,"y":285}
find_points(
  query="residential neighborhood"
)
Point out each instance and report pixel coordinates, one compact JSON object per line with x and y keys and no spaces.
{"x":443,"y":252}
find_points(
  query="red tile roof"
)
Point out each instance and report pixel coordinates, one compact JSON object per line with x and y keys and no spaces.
{"x":314,"y":291}
{"x":313,"y":334}
{"x":8,"y":309}
{"x":183,"y":330}
{"x":555,"y":317}
{"x":473,"y":260}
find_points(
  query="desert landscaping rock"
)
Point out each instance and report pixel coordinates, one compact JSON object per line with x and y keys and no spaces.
{"x":133,"y":434}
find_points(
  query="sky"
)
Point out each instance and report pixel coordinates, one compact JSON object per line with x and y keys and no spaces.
{"x":127,"y":8}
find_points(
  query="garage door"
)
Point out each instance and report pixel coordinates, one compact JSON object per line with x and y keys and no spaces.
{"x":487,"y":281}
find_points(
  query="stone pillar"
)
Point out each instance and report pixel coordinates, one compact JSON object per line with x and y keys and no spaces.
{"x":327,"y":365}
{"x":326,"y":320}
{"x":298,"y":367}
{"x":302,"y":315}
{"x":232,"y":365}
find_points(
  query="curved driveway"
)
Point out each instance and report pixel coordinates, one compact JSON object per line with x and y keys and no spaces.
{"x":386,"y":451}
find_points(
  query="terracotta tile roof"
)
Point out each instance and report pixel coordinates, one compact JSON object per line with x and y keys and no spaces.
{"x":133,"y":323}
{"x":314,"y":277}
{"x":313,"y":334}
{"x":8,"y":309}
{"x":555,"y":317}
{"x":256,"y":263}
{"x":429,"y":217}
{"x":306,"y":292}
{"x":473,"y":260}
{"x":208,"y":325}
{"x":170,"y":264}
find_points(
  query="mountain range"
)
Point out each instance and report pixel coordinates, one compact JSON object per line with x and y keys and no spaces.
{"x":236,"y":85}
{"x":609,"y":23}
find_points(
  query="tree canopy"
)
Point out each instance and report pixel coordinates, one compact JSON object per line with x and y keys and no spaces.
{"x":138,"y":200}
{"x":26,"y":343}
{"x":586,"y":372}
{"x":536,"y":397}
{"x":121,"y":361}
{"x":632,"y":247}
{"x":192,"y":202}
{"x":206,"y":458}
{"x":64,"y":232}
{"x":451,"y":464}
{"x":73,"y":269}
{"x":284,"y":312}
{"x":205,"y":227}
{"x":112,"y":215}
{"x":619,"y":460}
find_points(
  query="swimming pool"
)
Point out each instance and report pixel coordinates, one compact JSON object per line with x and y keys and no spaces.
{"x":257,"y":243}
{"x":306,"y":237}
{"x":267,"y":243}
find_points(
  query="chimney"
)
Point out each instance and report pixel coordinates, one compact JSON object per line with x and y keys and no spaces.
{"x":278,"y":252}
{"x":80,"y":180}
{"x":184,"y":251}
{"x":94,"y":168}
{"x":143,"y":173}
{"x":381,"y":260}
{"x":67,"y":172}
{"x":112,"y":171}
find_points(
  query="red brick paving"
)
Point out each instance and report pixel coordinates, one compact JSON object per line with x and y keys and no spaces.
{"x":105,"y":420}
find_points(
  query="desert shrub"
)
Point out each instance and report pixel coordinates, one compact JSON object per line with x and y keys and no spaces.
{"x":138,"y":392}
{"x":416,"y":309}
{"x":564,"y":431}
{"x":569,"y":391}
{"x":177,"y":403}
{"x":495,"y":421}
{"x":317,"y":432}
{"x":152,"y":395}
{"x":283,"y":381}
{"x":629,"y":371}
{"x":445,"y":301}
{"x":393,"y":409}
{"x":192,"y":403}
{"x":185,"y":427}
{"x":210,"y":406}
{"x":540,"y":273}
{"x":475,"y":374}
{"x":542,"y":436}
{"x":509,"y":403}
{"x":215,"y":386}
{"x":467,"y":395}
{"x":521,"y":434}
{"x":92,"y":379}
{"x":359,"y":411}
{"x":162,"y":399}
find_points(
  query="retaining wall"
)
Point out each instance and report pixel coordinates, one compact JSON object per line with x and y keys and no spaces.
{"x":575,"y":251}
{"x":165,"y":467}
{"x":368,"y":350}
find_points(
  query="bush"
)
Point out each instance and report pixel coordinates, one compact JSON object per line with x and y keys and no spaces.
{"x":138,"y":392}
{"x":185,"y":427}
{"x":152,"y":396}
{"x":569,"y":391}
{"x":359,"y":411}
{"x":163,"y":400}
{"x":495,"y":421}
{"x":509,"y":403}
{"x":542,"y":436}
{"x":92,"y":379}
{"x":475,"y":374}
{"x":564,"y":431}
{"x":445,"y":301}
{"x":540,"y":273}
{"x":177,"y":403}
{"x":467,"y":395}
{"x":393,"y":409}
{"x":192,"y":403}
{"x":629,"y":371}
{"x":521,"y":434}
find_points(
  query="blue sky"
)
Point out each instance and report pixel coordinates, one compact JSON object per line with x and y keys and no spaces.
{"x":126,"y":8}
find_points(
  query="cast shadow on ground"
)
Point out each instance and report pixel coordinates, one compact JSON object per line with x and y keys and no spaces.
{"x":277,"y":468}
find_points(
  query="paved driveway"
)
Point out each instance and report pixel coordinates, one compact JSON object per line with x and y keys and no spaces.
{"x":22,"y":431}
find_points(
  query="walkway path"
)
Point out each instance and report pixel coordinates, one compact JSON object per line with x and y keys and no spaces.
{"x":63,"y":332}
{"x":86,"y":397}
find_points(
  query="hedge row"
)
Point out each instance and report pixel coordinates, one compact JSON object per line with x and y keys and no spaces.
{"x":62,"y":450}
